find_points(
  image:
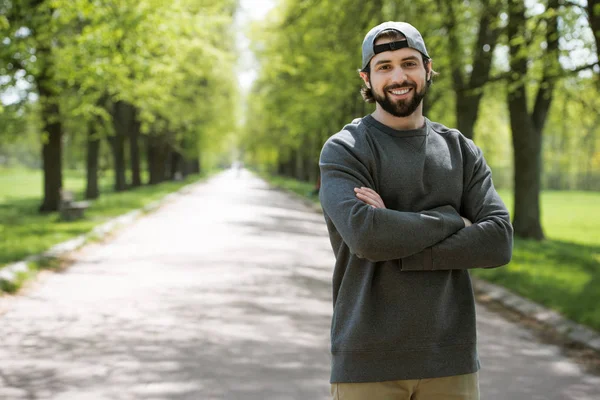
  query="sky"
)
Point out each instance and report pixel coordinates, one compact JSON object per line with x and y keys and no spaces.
{"x":250,"y":10}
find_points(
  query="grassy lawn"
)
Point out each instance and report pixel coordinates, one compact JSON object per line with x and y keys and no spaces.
{"x":24,"y":232}
{"x":562,"y":272}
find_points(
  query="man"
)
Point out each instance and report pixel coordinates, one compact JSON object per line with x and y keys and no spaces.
{"x":399,"y":193}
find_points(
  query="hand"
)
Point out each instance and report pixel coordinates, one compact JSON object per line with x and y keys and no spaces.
{"x":369,"y":196}
{"x":467,"y":222}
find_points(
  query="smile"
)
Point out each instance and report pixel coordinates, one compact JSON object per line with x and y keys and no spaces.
{"x":400,"y":92}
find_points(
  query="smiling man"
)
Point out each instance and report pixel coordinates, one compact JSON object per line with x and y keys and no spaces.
{"x":410,"y":207}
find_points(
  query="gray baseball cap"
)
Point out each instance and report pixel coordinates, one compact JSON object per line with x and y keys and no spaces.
{"x":413,"y":40}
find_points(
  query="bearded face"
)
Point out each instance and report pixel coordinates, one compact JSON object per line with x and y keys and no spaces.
{"x":399,"y":99}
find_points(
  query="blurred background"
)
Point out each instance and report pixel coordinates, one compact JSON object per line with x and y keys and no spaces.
{"x":123,"y":101}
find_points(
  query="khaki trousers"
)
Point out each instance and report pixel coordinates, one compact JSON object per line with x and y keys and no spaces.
{"x":460,"y":387}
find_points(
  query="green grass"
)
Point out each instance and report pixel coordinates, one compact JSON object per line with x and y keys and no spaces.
{"x":568,"y":215}
{"x":561,"y":272}
{"x":24,"y":232}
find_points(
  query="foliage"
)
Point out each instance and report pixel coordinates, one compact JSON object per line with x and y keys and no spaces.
{"x":308,"y":86}
{"x":173,"y":61}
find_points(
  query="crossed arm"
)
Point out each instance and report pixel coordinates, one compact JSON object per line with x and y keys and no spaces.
{"x":372,"y":198}
{"x":428,"y":240}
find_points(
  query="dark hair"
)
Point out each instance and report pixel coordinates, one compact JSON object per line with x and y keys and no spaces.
{"x":391,"y":34}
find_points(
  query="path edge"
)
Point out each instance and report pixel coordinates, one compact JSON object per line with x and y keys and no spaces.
{"x":13,"y":275}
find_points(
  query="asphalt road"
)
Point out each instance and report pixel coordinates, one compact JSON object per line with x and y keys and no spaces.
{"x":221,"y":294}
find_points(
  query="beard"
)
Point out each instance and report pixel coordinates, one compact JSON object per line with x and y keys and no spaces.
{"x":400,"y":108}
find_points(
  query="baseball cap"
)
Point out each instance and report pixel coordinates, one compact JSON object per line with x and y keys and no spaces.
{"x":413,"y":40}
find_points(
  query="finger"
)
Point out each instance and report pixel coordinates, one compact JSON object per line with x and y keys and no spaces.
{"x":372,"y":194}
{"x":369,"y":190}
{"x":370,"y":201}
{"x":367,"y":200}
{"x":374,"y":197}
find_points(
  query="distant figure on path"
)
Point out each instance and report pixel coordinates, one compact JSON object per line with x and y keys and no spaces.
{"x":237,"y":166}
{"x":410,"y":207}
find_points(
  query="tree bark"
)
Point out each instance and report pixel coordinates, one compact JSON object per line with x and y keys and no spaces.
{"x":280,"y":168}
{"x":185,"y":168}
{"x":195,"y":166}
{"x":527,"y":128}
{"x":175,"y":164}
{"x":157,"y":159}
{"x":312,"y":160}
{"x":117,"y":143}
{"x":52,"y":144}
{"x":134,"y":148}
{"x":299,"y":171}
{"x":93,"y":152}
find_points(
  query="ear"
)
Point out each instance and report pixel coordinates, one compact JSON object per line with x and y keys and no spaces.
{"x":365,"y":78}
{"x":428,"y":69}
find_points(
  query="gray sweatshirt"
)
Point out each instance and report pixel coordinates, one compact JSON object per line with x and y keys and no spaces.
{"x":402,"y":295}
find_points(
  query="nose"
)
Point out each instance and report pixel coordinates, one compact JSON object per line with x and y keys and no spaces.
{"x":399,"y":75}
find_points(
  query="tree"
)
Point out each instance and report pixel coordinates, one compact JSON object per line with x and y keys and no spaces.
{"x":32,"y":31}
{"x":593,"y":11}
{"x":127,"y":68}
{"x":527,"y":127}
{"x":468,"y":86}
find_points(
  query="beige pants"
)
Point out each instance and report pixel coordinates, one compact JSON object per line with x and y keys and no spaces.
{"x":460,"y":387}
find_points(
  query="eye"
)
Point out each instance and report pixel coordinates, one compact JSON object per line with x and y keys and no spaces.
{"x":383,"y":67}
{"x":410,"y":64}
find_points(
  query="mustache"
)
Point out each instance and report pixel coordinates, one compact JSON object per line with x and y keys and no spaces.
{"x":394,"y":86}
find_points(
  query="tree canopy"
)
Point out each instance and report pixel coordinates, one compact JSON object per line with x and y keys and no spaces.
{"x":501,"y":64}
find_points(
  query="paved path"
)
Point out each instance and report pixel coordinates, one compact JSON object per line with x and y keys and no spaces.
{"x":222,"y":294}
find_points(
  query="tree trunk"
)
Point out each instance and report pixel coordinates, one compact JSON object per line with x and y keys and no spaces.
{"x":150,"y":156}
{"x":299,"y":171}
{"x":52,"y":145}
{"x":185,"y":167}
{"x":194,"y":166}
{"x":280,"y":168}
{"x":175,"y":165}
{"x":527,"y":153}
{"x":134,"y":149}
{"x":290,"y":167}
{"x":468,"y":95}
{"x":117,"y":143}
{"x":93,"y":152}
{"x":312,"y":159}
{"x":593,"y":9}
{"x":526,"y":130}
{"x":157,"y":159}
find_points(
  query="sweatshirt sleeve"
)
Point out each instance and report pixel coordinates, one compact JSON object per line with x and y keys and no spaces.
{"x":485,"y":244}
{"x":374,"y":234}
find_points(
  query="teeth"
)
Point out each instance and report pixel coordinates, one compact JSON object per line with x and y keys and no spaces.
{"x":400,"y":91}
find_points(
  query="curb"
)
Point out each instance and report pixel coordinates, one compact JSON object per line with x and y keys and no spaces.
{"x":549,"y":318}
{"x":11,"y":273}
